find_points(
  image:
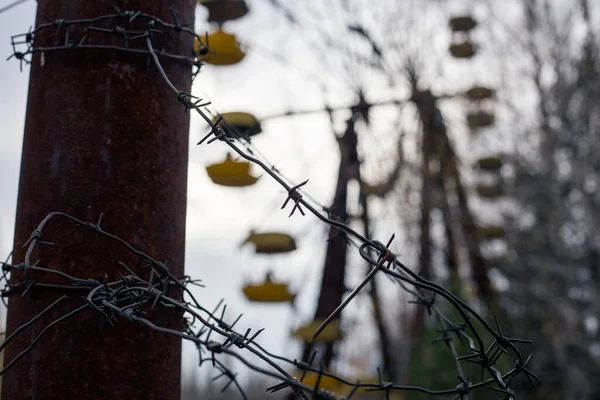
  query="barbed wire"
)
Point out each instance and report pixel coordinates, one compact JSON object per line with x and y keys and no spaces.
{"x":11,"y":5}
{"x":129,"y":297}
{"x":122,"y":28}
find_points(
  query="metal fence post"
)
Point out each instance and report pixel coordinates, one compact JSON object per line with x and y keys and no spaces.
{"x":103,"y":134}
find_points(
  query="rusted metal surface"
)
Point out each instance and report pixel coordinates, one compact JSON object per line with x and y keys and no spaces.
{"x":103,"y":134}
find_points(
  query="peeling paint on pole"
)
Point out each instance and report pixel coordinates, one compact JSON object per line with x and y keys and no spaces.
{"x":103,"y":134}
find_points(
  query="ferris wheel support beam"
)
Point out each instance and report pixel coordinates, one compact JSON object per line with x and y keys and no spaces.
{"x":389,"y":365}
{"x":293,"y":113}
{"x":333,"y":278}
{"x":436,"y":144}
{"x":334,"y":271}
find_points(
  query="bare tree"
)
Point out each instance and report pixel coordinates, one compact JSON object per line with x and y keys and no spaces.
{"x":552,"y":265}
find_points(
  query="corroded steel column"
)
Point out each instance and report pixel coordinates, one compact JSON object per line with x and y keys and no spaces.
{"x":103,"y":134}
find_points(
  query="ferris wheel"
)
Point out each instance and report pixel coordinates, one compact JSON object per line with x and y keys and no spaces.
{"x":355,"y":56}
{"x":226,"y":50}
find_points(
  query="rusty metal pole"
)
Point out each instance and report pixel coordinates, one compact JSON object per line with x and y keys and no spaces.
{"x":103,"y":134}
